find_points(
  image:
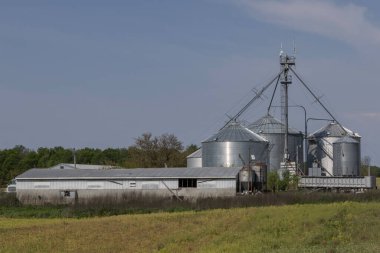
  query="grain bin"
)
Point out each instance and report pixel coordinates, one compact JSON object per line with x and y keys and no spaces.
{"x":274,"y":131}
{"x":346,"y":152}
{"x":232,"y":145}
{"x":320,"y":145}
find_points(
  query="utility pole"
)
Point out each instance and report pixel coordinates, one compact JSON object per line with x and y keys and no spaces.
{"x":367,"y":161}
{"x":74,"y":158}
{"x":369,"y":167}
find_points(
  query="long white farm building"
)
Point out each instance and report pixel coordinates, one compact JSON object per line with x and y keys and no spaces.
{"x":56,"y":185}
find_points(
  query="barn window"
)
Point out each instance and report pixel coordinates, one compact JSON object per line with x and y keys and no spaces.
{"x":66,"y":194}
{"x":187,"y":183}
{"x":132,"y":183}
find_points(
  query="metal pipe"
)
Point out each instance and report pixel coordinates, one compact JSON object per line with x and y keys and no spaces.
{"x":305,"y":134}
{"x":317,"y":99}
{"x":258,"y":94}
{"x":307,"y":121}
{"x":274,"y":92}
{"x":286,"y":114}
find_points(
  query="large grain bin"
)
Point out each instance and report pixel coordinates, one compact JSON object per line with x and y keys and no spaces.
{"x":274,"y":131}
{"x":346,"y":152}
{"x":232,"y":145}
{"x":320,"y":145}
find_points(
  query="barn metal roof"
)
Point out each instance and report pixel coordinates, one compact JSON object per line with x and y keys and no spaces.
{"x":82,"y":166}
{"x":140,"y":173}
{"x":196,"y":154}
{"x":235,"y":132}
{"x":270,"y":125}
{"x":333,"y":130}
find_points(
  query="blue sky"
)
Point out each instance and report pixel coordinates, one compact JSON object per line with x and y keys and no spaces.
{"x":100,"y":73}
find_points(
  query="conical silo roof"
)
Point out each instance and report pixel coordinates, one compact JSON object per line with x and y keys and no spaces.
{"x":196,"y":154}
{"x":346,"y":139}
{"x":270,"y":125}
{"x":333,"y":130}
{"x":234,"y":132}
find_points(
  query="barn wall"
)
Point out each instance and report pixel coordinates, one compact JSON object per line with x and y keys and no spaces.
{"x":52,"y":191}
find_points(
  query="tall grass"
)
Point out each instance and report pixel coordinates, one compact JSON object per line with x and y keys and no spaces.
{"x":136,"y":203}
{"x":335,"y":227}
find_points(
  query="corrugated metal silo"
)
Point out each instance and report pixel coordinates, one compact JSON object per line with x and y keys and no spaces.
{"x":346,"y":152}
{"x":194,"y":160}
{"x":274,"y":131}
{"x":320,"y":145}
{"x":223,"y":149}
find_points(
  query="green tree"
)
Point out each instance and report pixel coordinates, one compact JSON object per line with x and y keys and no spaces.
{"x":293,"y":182}
{"x":150,"y":151}
{"x":285,"y":181}
{"x":273,"y":181}
{"x":169,"y":150}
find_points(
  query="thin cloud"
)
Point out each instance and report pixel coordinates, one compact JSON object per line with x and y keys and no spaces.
{"x":371,"y":115}
{"x":347,"y":23}
{"x":364,"y":115}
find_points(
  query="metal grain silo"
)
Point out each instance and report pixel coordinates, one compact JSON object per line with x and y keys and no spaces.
{"x":194,"y":160}
{"x":320,"y":145}
{"x":274,"y":131}
{"x":223,"y":149}
{"x":346,"y":152}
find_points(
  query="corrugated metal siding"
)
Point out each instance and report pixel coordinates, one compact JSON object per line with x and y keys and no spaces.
{"x":194,"y":162}
{"x":337,"y":182}
{"x":120,"y":184}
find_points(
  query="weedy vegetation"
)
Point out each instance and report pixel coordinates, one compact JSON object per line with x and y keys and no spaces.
{"x":334,"y":227}
{"x":272,"y":222}
{"x":137,"y":204}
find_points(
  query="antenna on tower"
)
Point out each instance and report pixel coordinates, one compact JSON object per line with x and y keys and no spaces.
{"x":281,"y":51}
{"x":294,"y":50}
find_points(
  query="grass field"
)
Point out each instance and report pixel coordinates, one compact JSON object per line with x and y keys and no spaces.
{"x":336,"y":227}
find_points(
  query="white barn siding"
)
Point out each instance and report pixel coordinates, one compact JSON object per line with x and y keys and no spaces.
{"x":216,"y":183}
{"x":91,"y":184}
{"x":119,"y":184}
{"x":42,"y":186}
{"x":84,"y":189}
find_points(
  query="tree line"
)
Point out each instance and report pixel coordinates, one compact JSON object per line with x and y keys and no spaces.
{"x":148,"y":151}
